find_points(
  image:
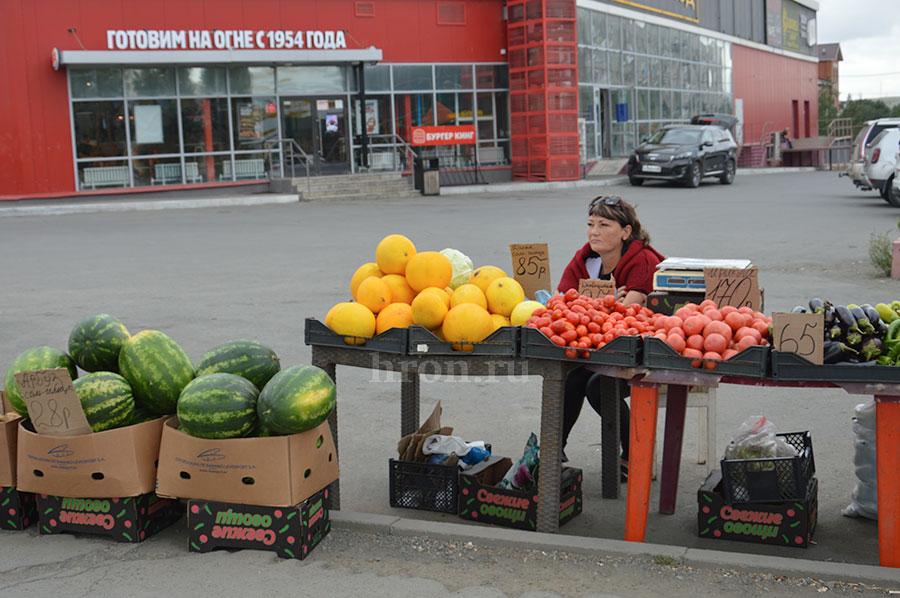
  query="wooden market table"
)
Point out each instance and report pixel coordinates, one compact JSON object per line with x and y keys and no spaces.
{"x":645,"y":384}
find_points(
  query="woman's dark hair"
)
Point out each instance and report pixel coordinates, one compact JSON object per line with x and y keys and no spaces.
{"x":616,"y":208}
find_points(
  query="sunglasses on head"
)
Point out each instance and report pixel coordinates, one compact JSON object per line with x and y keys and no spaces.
{"x":607,"y":200}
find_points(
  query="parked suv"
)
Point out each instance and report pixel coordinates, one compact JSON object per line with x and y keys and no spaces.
{"x":870,"y":130}
{"x":685,"y":153}
{"x":881,"y":160}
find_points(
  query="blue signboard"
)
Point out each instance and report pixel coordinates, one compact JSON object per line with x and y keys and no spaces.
{"x":622,"y":113}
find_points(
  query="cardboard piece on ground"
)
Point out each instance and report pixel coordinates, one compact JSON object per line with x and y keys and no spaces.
{"x":278,"y":471}
{"x":409,"y":448}
{"x":738,"y":287}
{"x":19,"y":509}
{"x":291,"y":532}
{"x":596,"y":288}
{"x":803,"y":334}
{"x":9,"y":436}
{"x":531,"y":267}
{"x":53,"y":406}
{"x":113,"y":463}
{"x":129,"y":519}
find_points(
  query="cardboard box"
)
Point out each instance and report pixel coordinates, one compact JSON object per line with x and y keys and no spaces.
{"x":480,"y":499}
{"x":18,"y":510}
{"x":291,"y":532}
{"x":129,"y":519}
{"x":9,"y":436}
{"x":785,"y":523}
{"x":279,"y":471}
{"x":119,"y":462}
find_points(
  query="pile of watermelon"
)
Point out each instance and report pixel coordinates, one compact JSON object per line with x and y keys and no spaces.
{"x":236,"y":390}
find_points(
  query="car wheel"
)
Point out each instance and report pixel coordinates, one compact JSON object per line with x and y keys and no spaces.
{"x":635,"y":181}
{"x":893,"y":196}
{"x":728,"y":176}
{"x":886,"y":190}
{"x":693,"y":176}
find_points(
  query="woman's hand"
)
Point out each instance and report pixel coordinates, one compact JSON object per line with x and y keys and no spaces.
{"x":626,"y":297}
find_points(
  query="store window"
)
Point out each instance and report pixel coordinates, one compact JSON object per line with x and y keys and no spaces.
{"x":311,"y":80}
{"x":151,"y":82}
{"x":412,"y":77}
{"x":415,"y":109}
{"x":453,"y":76}
{"x":378,"y":78}
{"x":251,"y":80}
{"x":254,"y":121}
{"x":204,"y":124}
{"x":99,"y":129}
{"x":96,"y":83}
{"x":153,"y":127}
{"x":202,"y":81}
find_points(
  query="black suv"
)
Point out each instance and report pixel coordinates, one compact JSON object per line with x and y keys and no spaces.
{"x":685,"y":153}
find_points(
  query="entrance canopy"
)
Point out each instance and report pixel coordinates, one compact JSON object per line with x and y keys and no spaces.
{"x":369,"y":55}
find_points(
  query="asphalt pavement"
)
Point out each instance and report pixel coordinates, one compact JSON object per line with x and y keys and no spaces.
{"x":236,"y":266}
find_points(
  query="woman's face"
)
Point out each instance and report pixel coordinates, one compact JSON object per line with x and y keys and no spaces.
{"x":606,"y":235}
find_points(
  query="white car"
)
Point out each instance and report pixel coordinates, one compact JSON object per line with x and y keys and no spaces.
{"x":894,"y":190}
{"x":881,"y":161}
{"x":870,"y":130}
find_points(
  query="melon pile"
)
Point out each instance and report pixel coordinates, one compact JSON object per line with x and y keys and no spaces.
{"x":237,"y":388}
{"x":438,"y":290}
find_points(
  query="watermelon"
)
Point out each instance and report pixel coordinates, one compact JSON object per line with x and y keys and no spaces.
{"x":36,"y":358}
{"x":106,"y":399}
{"x":141,"y":415}
{"x":218,"y":406}
{"x":246,"y":358}
{"x":157,"y":369}
{"x":296,"y":400}
{"x":95,"y":342}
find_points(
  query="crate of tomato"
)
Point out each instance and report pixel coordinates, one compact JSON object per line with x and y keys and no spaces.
{"x":728,"y":340}
{"x":575,"y":327}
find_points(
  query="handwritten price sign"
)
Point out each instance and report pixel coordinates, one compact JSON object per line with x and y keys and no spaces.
{"x":531,"y":266}
{"x":803,"y":334}
{"x":733,"y":286}
{"x":52,"y":404}
{"x":596,"y":288}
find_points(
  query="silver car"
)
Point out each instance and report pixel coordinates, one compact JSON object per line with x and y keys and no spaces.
{"x":857,"y":169}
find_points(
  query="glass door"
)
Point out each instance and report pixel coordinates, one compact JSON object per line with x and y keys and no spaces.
{"x":319,"y":126}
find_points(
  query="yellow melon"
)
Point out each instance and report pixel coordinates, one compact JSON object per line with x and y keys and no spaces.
{"x":523,"y":311}
{"x":499,"y":321}
{"x":485,"y":275}
{"x":503,"y":294}
{"x":330,"y":314}
{"x":400,"y":291}
{"x":362,"y":273}
{"x":393,"y":252}
{"x":467,"y":322}
{"x":468,"y":293}
{"x":428,"y":269}
{"x":395,"y":315}
{"x":443,"y":294}
{"x":428,"y":310}
{"x":374,"y":293}
{"x":354,"y":320}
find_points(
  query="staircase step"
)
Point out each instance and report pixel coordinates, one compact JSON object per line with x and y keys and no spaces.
{"x":408,"y":194}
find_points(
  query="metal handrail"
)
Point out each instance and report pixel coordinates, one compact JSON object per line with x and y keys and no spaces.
{"x":292,"y":145}
{"x":396,"y":140}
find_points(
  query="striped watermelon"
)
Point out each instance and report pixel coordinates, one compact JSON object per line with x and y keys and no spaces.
{"x":106,"y":399}
{"x":157,"y":369}
{"x":246,"y":358}
{"x":295,"y":400}
{"x":36,"y":358}
{"x":141,"y":415}
{"x":218,"y":406}
{"x":95,"y":342}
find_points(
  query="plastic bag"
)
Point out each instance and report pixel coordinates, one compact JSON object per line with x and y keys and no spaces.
{"x":439,"y":447}
{"x":864,"y":498}
{"x":755,"y":439}
{"x":523,"y":474}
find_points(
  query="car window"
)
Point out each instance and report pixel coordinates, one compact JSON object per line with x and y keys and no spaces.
{"x":676,"y":137}
{"x":707,"y":137}
{"x":877,"y":130}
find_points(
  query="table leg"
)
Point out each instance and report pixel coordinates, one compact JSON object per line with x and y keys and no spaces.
{"x":334,"y":492}
{"x":640,"y":460}
{"x":409,"y":402}
{"x":676,"y":406}
{"x":550,"y":469}
{"x":609,"y":440}
{"x":887,"y":447}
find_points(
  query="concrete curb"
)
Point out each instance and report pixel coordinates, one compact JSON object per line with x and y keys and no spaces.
{"x":160,"y":204}
{"x":694,"y":557}
{"x":532,"y":186}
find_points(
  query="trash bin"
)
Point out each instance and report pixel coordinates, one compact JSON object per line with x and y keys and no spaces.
{"x":426,"y":175}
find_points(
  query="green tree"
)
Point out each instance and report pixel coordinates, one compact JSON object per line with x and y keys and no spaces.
{"x":828,"y":102}
{"x":863,"y":110}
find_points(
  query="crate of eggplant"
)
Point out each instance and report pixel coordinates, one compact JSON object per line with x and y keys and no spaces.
{"x":861,"y":344}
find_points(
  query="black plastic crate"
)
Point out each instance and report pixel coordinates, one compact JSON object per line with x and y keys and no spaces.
{"x":622,"y":351}
{"x":424,"y":486}
{"x":503,"y":341}
{"x":771,"y":479}
{"x":792,"y":367}
{"x":389,"y":341}
{"x":752,"y":362}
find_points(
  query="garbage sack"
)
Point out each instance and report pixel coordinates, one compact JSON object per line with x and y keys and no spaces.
{"x":440,"y":447}
{"x":523,"y":473}
{"x":864,"y":497}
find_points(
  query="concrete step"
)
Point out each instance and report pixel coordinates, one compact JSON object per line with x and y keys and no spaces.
{"x":323,"y":185}
{"x":407,"y":194}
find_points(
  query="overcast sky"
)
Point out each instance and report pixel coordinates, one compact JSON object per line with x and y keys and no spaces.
{"x":869,"y":34}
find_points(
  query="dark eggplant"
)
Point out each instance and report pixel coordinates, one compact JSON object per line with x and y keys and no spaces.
{"x":871,"y":348}
{"x":862,"y":320}
{"x":845,"y":319}
{"x":829,"y":315}
{"x":876,"y":321}
{"x":833,"y":333}
{"x":799,"y":310}
{"x":816,"y":306}
{"x":836,"y":352}
{"x":854,"y":340}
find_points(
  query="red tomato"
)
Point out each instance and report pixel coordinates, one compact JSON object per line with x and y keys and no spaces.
{"x":571,"y":353}
{"x":735,"y":320}
{"x":539,"y":312}
{"x":694,"y":341}
{"x":747,"y":331}
{"x":676,"y":342}
{"x":713,"y":314}
{"x":558,"y":340}
{"x":673,"y":322}
{"x":596,"y":339}
{"x":717,"y":327}
{"x":578,"y":309}
{"x":571,"y":295}
{"x":746,"y":342}
{"x":729,"y":353}
{"x":569,"y":336}
{"x":581,"y":329}
{"x":708,"y":303}
{"x":745,"y":310}
{"x":543,"y":321}
{"x":585,"y":319}
{"x":547,"y":331}
{"x":573,"y":317}
{"x":558,"y":326}
{"x":705,"y":319}
{"x":661,"y":335}
{"x":710,"y":358}
{"x":684,"y":312}
{"x":695,"y":355}
{"x":593,"y":327}
{"x":727,"y":310}
{"x":693,"y":325}
{"x":762,"y":327}
{"x":609,"y":301}
{"x":715,"y":343}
